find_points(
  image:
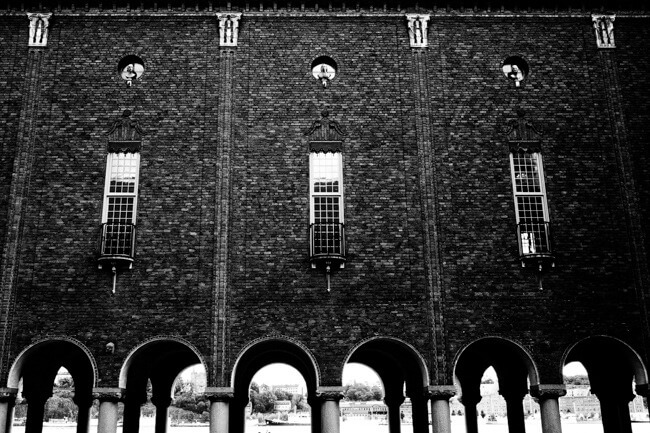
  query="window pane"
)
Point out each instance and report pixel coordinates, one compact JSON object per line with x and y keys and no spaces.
{"x":124,"y":170}
{"x":526,"y":172}
{"x":326,"y":172}
{"x":530,"y":209}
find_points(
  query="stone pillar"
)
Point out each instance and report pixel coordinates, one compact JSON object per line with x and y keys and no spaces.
{"x":108,"y":400}
{"x":329,"y":397}
{"x":514,"y":406}
{"x":132,"y":405}
{"x":314,"y":405}
{"x":614,"y":410}
{"x":643,"y":391}
{"x":469,"y":401}
{"x":393,"y":404}
{"x":420,"y":413}
{"x":162,"y":404}
{"x":84,"y":403}
{"x":220,"y":398}
{"x":547,"y":396}
{"x":7,"y":403}
{"x":440,"y":417}
{"x":35,"y":411}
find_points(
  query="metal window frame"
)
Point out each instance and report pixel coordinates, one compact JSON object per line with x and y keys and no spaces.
{"x":107,"y":186}
{"x":542,"y":185}
{"x":313,"y":195}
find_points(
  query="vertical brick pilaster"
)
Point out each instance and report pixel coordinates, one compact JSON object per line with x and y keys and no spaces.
{"x":18,"y":201}
{"x":222,"y":212}
{"x":628,"y":189}
{"x":429,"y":214}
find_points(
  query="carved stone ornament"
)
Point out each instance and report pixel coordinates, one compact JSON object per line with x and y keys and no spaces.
{"x":107,"y":394}
{"x":326,"y":135}
{"x":228,"y":29}
{"x":441,"y":392}
{"x":125,"y":135}
{"x":604,"y":28}
{"x":223,"y":394}
{"x":544,"y":392}
{"x":522,"y":134}
{"x":38,"y":25}
{"x":418,"y":30}
{"x":331,"y":393}
{"x":8,"y":395}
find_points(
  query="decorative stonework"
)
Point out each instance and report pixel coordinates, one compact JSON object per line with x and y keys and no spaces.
{"x":125,"y":135}
{"x":418,"y":30}
{"x":228,"y":29}
{"x":544,"y":392}
{"x":108,"y":394}
{"x":38,"y":25}
{"x":522,"y":134}
{"x":219,"y":393}
{"x":331,"y":393}
{"x":325,"y":133}
{"x":441,"y":392}
{"x":8,"y":395}
{"x":604,"y":28}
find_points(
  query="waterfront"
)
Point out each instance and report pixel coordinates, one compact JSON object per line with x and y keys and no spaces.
{"x":361,"y":426}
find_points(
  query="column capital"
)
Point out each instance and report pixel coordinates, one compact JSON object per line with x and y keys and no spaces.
{"x":161,"y":401}
{"x":221,"y":393}
{"x":394,"y":400}
{"x":440,"y":392}
{"x":82,"y":400}
{"x":544,"y":392}
{"x":113,"y":395}
{"x":329,"y":393}
{"x":228,"y":29}
{"x":8,"y":395}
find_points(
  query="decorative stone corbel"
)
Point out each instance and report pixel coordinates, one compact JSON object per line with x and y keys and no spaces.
{"x":228,"y":29}
{"x":38,"y":25}
{"x":604,"y":28}
{"x":417,"y":24}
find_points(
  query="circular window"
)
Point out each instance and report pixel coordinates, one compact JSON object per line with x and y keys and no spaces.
{"x":516,"y":69}
{"x":324,"y":69}
{"x":130,"y":68}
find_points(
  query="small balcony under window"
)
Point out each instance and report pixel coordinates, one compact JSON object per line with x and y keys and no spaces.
{"x":117,"y":245}
{"x":327,"y":244}
{"x":535,"y":243}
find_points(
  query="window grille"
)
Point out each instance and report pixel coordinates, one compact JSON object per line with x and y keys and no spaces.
{"x":530,"y":204}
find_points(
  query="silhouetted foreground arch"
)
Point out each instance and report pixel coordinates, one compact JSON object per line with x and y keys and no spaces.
{"x":160,"y":360}
{"x":38,"y":365}
{"x":398,"y":364}
{"x":261,"y":353}
{"x":611,"y":365}
{"x":514,"y":367}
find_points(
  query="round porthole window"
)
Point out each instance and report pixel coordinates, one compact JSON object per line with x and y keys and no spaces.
{"x":130,"y":68}
{"x":516,"y":69}
{"x":324,"y":69}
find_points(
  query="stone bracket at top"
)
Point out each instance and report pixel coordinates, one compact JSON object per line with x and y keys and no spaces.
{"x":38,"y":25}
{"x":228,"y":29}
{"x":417,"y":24}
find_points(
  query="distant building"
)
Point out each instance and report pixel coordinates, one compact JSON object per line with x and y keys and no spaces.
{"x":369,"y":409}
{"x":282,"y":406}
{"x":292,"y":389}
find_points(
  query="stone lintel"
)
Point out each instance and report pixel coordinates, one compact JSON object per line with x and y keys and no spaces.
{"x":543,"y":392}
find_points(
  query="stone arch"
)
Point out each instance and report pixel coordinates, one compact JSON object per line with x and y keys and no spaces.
{"x":15,"y":372}
{"x":514,"y":367}
{"x":400,"y":367}
{"x":160,"y":360}
{"x":260,"y":353}
{"x":611,"y":365}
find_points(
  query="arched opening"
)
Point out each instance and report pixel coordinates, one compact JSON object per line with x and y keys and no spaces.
{"x":363,"y":407}
{"x":604,"y":378}
{"x":271,"y":363}
{"x":35,"y":372}
{"x":403,"y":375}
{"x":513,"y":373}
{"x":150,"y":374}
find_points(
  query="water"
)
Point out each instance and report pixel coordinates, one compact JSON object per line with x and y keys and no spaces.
{"x":360,"y":426}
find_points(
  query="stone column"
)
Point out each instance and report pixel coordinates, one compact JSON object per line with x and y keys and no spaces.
{"x":393,"y":404}
{"x":7,"y":403}
{"x":162,"y":404}
{"x":469,"y":401}
{"x":330,"y":417}
{"x":84,"y":403}
{"x":314,"y":404}
{"x":220,"y":398}
{"x":643,"y":391}
{"x":35,"y":410}
{"x":108,"y":400}
{"x":420,"y":413}
{"x":440,"y":417}
{"x":514,"y":406}
{"x":547,"y":396}
{"x":614,"y":410}
{"x":132,"y":405}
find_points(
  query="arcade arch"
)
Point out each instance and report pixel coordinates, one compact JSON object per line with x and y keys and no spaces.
{"x":158,"y":361}
{"x":35,"y":370}
{"x":612,"y":367}
{"x":403,"y":374}
{"x":261,"y":354}
{"x":514,"y":368}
